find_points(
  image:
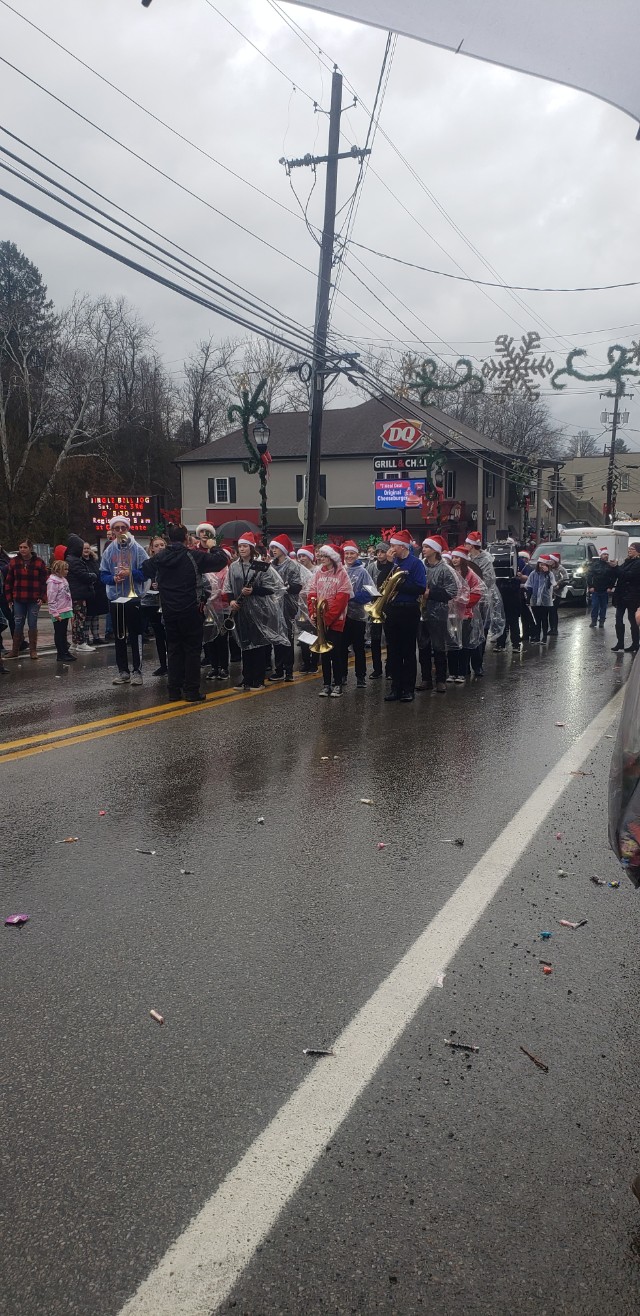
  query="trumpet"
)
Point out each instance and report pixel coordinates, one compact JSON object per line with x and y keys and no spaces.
{"x":376,"y":610}
{"x":321,"y":645}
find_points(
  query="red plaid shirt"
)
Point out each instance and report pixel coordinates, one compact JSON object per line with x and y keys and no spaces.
{"x":25,"y":582}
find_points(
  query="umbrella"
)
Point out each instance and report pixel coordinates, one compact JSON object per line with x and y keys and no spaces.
{"x":233,"y":529}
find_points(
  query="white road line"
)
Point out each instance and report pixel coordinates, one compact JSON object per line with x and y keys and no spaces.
{"x":201,"y":1268}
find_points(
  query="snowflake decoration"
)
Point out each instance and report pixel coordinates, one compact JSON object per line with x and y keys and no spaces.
{"x":517,"y":368}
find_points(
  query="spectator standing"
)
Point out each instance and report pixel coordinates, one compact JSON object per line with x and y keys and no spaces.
{"x":600,"y":579}
{"x":97,"y":605}
{"x":82,"y":586}
{"x":60,"y":606}
{"x":25,"y":588}
{"x":150,"y":604}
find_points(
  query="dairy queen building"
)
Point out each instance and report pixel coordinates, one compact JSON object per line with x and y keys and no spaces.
{"x":380,"y":468}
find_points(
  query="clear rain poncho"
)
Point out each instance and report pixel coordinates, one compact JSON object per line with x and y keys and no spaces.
{"x":464,"y":631}
{"x":259,"y":620}
{"x":492,"y":608}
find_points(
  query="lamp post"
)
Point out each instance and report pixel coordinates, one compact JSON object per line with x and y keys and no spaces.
{"x":261,"y":433}
{"x":254,"y":407}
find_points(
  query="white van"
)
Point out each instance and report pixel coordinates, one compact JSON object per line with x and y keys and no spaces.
{"x":608,"y":536}
{"x":632,"y":528}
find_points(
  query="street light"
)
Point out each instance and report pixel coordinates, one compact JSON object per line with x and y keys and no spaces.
{"x":261,"y":434}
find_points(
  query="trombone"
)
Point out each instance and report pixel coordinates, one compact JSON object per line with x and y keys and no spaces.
{"x":321,"y":645}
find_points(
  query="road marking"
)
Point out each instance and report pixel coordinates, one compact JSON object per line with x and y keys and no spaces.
{"x":200,"y":1269}
{"x":10,"y":751}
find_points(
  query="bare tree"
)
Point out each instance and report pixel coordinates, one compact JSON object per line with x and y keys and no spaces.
{"x":582,"y":444}
{"x":205,"y":389}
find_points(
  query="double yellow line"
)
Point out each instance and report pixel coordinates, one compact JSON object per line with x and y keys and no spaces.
{"x":10,"y":750}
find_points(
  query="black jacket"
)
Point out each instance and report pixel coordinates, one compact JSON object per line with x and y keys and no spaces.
{"x":82,"y":580}
{"x":600,"y":575}
{"x":178,"y":571}
{"x":627,"y":590}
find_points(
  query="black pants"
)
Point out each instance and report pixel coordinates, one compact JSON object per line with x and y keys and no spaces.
{"x":127,"y":624}
{"x":459,"y":662}
{"x":428,"y":656}
{"x":184,"y":642}
{"x":376,"y":648}
{"x":527,"y":618}
{"x":401,"y":628}
{"x":630,"y":611}
{"x":553,"y":619}
{"x":60,"y":629}
{"x":542,"y":622}
{"x":308,"y":659}
{"x":154,"y":618}
{"x":333,"y":663}
{"x":512,"y":624}
{"x":217,"y":652}
{"x":254,"y":666}
{"x":283,"y":654}
{"x":354,"y":633}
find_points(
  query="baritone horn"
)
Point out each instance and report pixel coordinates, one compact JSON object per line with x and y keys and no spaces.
{"x":321,"y":645}
{"x":376,"y":610}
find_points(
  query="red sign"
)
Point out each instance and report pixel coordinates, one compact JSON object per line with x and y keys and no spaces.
{"x":137,"y":510}
{"x":402,"y":435}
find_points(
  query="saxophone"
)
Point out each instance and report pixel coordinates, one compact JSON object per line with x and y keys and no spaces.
{"x":376,"y":610}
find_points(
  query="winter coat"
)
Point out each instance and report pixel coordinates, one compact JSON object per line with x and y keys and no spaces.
{"x":131,"y":556}
{"x":58,"y":596}
{"x":334,"y":587}
{"x":600,"y":575}
{"x":413,"y":585}
{"x":178,"y":571}
{"x":627,"y":590}
{"x":539,"y":587}
{"x":81,"y":578}
{"x":25,"y":582}
{"x":360,"y":578}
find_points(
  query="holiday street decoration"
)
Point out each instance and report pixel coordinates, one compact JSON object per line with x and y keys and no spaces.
{"x":425,"y":380}
{"x":620,"y":368}
{"x":254,"y":407}
{"x":517,"y":369}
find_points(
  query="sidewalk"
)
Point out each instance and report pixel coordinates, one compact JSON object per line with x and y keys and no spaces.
{"x":46,"y":643}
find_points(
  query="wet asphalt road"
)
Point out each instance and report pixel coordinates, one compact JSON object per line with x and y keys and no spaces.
{"x":456,"y":1183}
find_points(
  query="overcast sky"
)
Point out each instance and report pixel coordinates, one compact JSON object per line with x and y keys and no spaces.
{"x":543,"y":181}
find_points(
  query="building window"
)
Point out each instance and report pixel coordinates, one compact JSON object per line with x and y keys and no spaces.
{"x":300,"y":487}
{"x":532,"y":497}
{"x":222,"y":489}
{"x":489,"y":485}
{"x":578,"y":481}
{"x":450,"y":484}
{"x":624,"y":482}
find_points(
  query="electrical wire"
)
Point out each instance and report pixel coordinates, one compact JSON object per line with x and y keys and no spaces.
{"x":259,"y":51}
{"x":485,"y":283}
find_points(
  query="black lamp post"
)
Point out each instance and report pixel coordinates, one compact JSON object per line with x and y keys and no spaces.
{"x":261,"y":433}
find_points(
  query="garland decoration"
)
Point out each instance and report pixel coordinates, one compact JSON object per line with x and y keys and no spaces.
{"x":620,"y":367}
{"x":253,"y":407}
{"x":425,"y":380}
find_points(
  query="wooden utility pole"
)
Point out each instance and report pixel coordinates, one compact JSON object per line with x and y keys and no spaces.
{"x":321,"y":329}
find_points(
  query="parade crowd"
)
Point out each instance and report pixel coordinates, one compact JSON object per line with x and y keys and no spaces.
{"x":209,"y":606}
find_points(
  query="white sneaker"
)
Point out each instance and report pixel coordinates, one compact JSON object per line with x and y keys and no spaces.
{"x":122,"y":678}
{"x":325,"y":692}
{"x":136,"y":678}
{"x":458,"y":680}
{"x":450,"y":680}
{"x":84,"y":648}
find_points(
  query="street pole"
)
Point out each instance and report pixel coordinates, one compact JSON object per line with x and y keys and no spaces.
{"x":612,"y":454}
{"x":263,"y":501}
{"x":321,"y":325}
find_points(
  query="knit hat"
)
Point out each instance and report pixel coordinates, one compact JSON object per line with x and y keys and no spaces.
{"x":382,"y":546}
{"x":205,"y":525}
{"x":604,"y":552}
{"x":332,"y":552}
{"x":350,"y":543}
{"x":436,"y":543}
{"x":283,"y":543}
{"x":125,"y":520}
{"x":401,"y":539}
{"x":248,"y":537}
{"x":59,"y":553}
{"x":474,"y":539}
{"x":307,"y":550}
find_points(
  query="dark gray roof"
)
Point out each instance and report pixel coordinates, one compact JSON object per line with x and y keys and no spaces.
{"x":348,"y":432}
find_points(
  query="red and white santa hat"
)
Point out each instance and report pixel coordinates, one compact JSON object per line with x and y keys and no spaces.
{"x":603,"y":552}
{"x":436,"y":543}
{"x":522,"y":552}
{"x":331,"y":551}
{"x":474,"y":539}
{"x":227,"y":552}
{"x":206,"y":525}
{"x":308,"y":551}
{"x":283,"y":543}
{"x":351,"y":544}
{"x":554,"y":557}
{"x":461,"y":551}
{"x":116,"y":520}
{"x":248,"y":537}
{"x":401,"y":539}
{"x":546,"y":558}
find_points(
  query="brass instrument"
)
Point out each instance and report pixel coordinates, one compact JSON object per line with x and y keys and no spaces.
{"x":376,"y":610}
{"x":321,"y":645}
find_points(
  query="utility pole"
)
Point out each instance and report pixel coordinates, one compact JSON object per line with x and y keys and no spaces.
{"x":321,"y":328}
{"x":620,"y":390}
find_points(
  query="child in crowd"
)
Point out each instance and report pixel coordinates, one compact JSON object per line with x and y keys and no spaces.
{"x":60,"y":609}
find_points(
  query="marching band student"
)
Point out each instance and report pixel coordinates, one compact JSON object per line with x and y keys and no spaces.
{"x":379,"y":572}
{"x":356,"y":623}
{"x":539,"y":588}
{"x":442,"y":587}
{"x":526,"y":616}
{"x":254,"y":588}
{"x":491,"y":608}
{"x":121,"y":571}
{"x":402,"y":615}
{"x":330,"y":585}
{"x":466,"y":609}
{"x":284,"y":562}
{"x":216,"y":647}
{"x":306,"y":557}
{"x":206,"y":536}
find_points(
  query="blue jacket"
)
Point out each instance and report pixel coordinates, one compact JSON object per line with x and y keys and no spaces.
{"x":359,"y":577}
{"x":416,"y":582}
{"x":539,"y":586}
{"x":130,"y":556}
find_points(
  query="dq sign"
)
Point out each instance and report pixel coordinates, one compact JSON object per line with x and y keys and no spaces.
{"x":402,"y":435}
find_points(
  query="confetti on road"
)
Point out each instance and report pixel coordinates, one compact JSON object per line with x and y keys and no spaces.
{"x":140,"y":850}
{"x":315,"y":1051}
{"x":67,"y":840}
{"x":16,"y":920}
{"x":158,"y":1017}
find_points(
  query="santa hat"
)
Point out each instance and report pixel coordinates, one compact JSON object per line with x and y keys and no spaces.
{"x":351,"y":543}
{"x":436,"y":543}
{"x":332,"y":552}
{"x":283,"y":543}
{"x":115,"y":519}
{"x":447,"y":556}
{"x":205,"y":525}
{"x":227,"y":552}
{"x":59,"y":553}
{"x":474,"y":539}
{"x":554,"y":557}
{"x":401,"y":539}
{"x":522,"y":552}
{"x":545,"y":557}
{"x":247,"y":537}
{"x":307,"y":550}
{"x":461,"y":551}
{"x":604,"y":552}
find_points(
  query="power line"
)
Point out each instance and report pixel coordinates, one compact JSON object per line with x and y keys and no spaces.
{"x":485,"y":283}
{"x":259,"y":51}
